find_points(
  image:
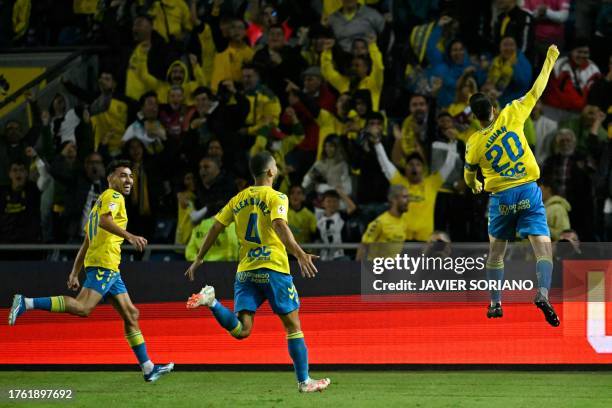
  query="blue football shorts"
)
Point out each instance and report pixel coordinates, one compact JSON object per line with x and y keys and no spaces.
{"x":104,"y":281}
{"x":517,"y":210}
{"x":252,"y":288}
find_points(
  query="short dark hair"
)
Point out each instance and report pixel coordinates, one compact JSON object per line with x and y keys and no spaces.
{"x":415,"y":155}
{"x":212,"y":159}
{"x":144,"y":97}
{"x":548,"y":182}
{"x":253,"y":66}
{"x":294,"y":186}
{"x":375,"y":116}
{"x":481,"y":106}
{"x":331,"y":194}
{"x":417,"y":95}
{"x":259,"y":163}
{"x":115,"y":164}
{"x":202,"y":90}
{"x":18,"y":162}
{"x":444,"y":114}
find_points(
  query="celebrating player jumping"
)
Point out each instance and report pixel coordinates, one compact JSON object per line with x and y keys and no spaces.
{"x":100,"y":253}
{"x":510,"y":172}
{"x":260,"y":213}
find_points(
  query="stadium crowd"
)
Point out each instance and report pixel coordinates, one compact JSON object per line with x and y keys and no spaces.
{"x":350,"y":98}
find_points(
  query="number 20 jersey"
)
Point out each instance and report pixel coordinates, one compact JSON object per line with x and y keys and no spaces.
{"x":502,"y":151}
{"x":253,"y":210}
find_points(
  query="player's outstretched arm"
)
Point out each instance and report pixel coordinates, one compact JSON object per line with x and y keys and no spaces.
{"x":307,"y":267}
{"x":531,"y":97}
{"x":73,"y":278}
{"x":108,"y":224}
{"x":209,"y":240}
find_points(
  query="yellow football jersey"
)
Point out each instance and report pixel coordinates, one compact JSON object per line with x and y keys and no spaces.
{"x":303,"y":224}
{"x":105,"y":248}
{"x":501,"y":149}
{"x":253,"y":210}
{"x":385,"y":228}
{"x":419,"y":219}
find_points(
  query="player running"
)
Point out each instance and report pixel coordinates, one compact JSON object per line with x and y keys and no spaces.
{"x":101,"y":255}
{"x":260,"y":213}
{"x":510,"y":172}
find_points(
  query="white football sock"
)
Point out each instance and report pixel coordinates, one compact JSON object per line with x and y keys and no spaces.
{"x":29,"y":302}
{"x":147,"y":367}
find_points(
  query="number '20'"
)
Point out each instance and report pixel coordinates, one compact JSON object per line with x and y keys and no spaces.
{"x":495,"y":153}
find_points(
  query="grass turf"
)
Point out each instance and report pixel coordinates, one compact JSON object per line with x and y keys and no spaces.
{"x":352,"y":388}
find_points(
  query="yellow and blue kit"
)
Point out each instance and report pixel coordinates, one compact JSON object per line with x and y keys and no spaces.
{"x":509,"y":167}
{"x":263,"y":271}
{"x":104,"y":253}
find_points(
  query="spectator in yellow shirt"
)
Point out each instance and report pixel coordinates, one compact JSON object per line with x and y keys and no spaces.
{"x":177,"y":75}
{"x":302,"y":221}
{"x":228,"y":63}
{"x":264,"y":106}
{"x":422,"y":189}
{"x":388,"y":227}
{"x":362,"y":75}
{"x":171,"y":18}
{"x":225,"y":247}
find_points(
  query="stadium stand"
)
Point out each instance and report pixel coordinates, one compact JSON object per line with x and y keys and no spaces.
{"x":189,"y":89}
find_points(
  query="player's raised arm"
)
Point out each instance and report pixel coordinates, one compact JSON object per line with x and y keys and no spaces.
{"x":209,"y":240}
{"x":529,"y":100}
{"x":308,"y":269}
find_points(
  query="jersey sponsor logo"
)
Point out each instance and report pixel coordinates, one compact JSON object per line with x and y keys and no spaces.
{"x":516,"y":172}
{"x":112,"y":206}
{"x":261,"y":253}
{"x":282,"y":210}
{"x":514,"y":208}
{"x":253,"y":277}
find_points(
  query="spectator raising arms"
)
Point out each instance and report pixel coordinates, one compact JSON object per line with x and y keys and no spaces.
{"x":421,"y":189}
{"x":363,"y":74}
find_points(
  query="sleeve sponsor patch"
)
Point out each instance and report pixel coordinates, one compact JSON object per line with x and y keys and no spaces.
{"x":282,"y":210}
{"x":112,"y":206}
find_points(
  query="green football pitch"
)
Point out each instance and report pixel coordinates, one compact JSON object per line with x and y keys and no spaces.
{"x":348,"y":388}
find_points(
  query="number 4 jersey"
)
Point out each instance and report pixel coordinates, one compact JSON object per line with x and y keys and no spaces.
{"x":253,"y":210}
{"x":105,"y":248}
{"x":501,"y":149}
